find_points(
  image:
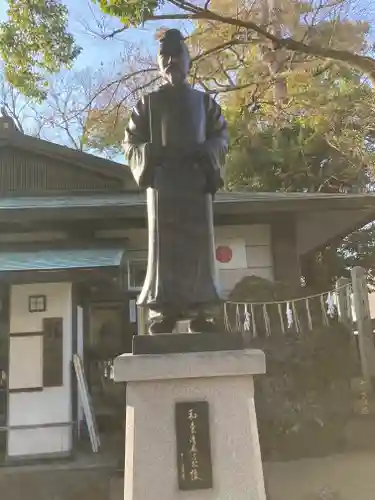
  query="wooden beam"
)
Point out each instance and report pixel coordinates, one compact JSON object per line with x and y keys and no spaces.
{"x":286,"y":263}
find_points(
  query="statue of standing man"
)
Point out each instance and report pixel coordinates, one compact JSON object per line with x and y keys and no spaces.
{"x":175,"y":143}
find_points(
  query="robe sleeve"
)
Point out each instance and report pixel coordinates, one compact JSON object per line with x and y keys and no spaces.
{"x":216,"y":145}
{"x":136,"y":144}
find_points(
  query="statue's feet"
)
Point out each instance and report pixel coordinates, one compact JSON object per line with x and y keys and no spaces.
{"x":200,"y":325}
{"x":164,"y":325}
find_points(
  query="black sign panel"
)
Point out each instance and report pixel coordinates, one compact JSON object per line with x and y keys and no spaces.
{"x":194,"y":465}
{"x":53,"y":352}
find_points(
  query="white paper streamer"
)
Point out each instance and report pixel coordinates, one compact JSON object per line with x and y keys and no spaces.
{"x":238,"y":318}
{"x":247,"y":320}
{"x":289,"y":315}
{"x":267,"y":322}
{"x":331,"y":307}
{"x":309,"y":318}
{"x":227,"y":324}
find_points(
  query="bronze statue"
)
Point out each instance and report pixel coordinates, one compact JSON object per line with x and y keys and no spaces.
{"x":175,"y":143}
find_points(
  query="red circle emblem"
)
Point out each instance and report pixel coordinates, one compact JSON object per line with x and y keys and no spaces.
{"x":224,"y":254}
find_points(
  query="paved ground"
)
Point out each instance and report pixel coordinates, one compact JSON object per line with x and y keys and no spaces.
{"x":350,"y":476}
{"x":58,"y":485}
{"x":88,"y":477}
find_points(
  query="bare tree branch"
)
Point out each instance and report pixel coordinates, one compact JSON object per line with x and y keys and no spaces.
{"x":114,"y":33}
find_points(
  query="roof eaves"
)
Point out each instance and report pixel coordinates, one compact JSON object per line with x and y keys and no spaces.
{"x":101,"y":166}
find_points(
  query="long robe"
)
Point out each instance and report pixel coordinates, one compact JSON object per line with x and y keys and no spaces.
{"x":181,"y":275}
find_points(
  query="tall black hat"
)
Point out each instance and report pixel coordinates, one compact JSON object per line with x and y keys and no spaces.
{"x":171,"y":42}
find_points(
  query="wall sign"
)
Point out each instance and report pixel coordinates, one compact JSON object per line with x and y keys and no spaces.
{"x":37,"y":303}
{"x":194,"y":465}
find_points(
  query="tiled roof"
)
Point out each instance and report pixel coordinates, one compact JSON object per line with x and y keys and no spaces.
{"x":138,"y":199}
{"x":53,"y":260}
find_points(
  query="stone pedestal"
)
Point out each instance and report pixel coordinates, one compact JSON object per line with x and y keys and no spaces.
{"x":170,"y":446}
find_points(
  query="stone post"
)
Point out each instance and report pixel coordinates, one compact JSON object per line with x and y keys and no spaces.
{"x":141,"y":321}
{"x":345,"y":313}
{"x":364,"y":324}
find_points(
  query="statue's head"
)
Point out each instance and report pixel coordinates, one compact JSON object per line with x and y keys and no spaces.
{"x":173,"y":57}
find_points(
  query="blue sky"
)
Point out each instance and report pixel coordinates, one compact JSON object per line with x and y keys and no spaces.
{"x":95,"y":50}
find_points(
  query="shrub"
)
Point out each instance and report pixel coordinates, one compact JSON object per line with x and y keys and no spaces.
{"x":304,"y":400}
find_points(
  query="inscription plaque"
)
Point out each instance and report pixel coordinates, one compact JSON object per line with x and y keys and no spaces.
{"x":194,"y":464}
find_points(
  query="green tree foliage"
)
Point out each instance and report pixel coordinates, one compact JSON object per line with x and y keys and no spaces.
{"x":35,"y":38}
{"x":305,"y":125}
{"x":130,"y":13}
{"x":251,"y":25}
{"x":293,"y":158}
{"x":315,"y":135}
{"x":105,"y":130}
{"x":34,"y":41}
{"x":320,"y":144}
{"x":229,"y":60}
{"x":358,"y":249}
{"x":292,"y":92}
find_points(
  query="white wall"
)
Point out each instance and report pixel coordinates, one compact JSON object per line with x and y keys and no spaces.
{"x":252,"y":244}
{"x":256,"y":252}
{"x":51,"y":405}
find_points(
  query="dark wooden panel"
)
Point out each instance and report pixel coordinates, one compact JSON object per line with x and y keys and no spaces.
{"x":21,"y":172}
{"x":284,"y":250}
{"x":25,"y":334}
{"x":194,"y":465}
{"x":53,"y":356}
{"x":25,"y":389}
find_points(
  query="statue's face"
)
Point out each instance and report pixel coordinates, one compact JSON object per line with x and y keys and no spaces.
{"x":174,"y":64}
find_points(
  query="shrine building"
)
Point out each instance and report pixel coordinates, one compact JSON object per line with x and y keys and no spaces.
{"x":73,"y":249}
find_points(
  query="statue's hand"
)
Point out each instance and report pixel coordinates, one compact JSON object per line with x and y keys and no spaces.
{"x":213,"y":176}
{"x":203,"y":159}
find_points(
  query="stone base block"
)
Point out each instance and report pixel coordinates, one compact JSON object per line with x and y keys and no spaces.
{"x":186,"y":342}
{"x":191,"y":425}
